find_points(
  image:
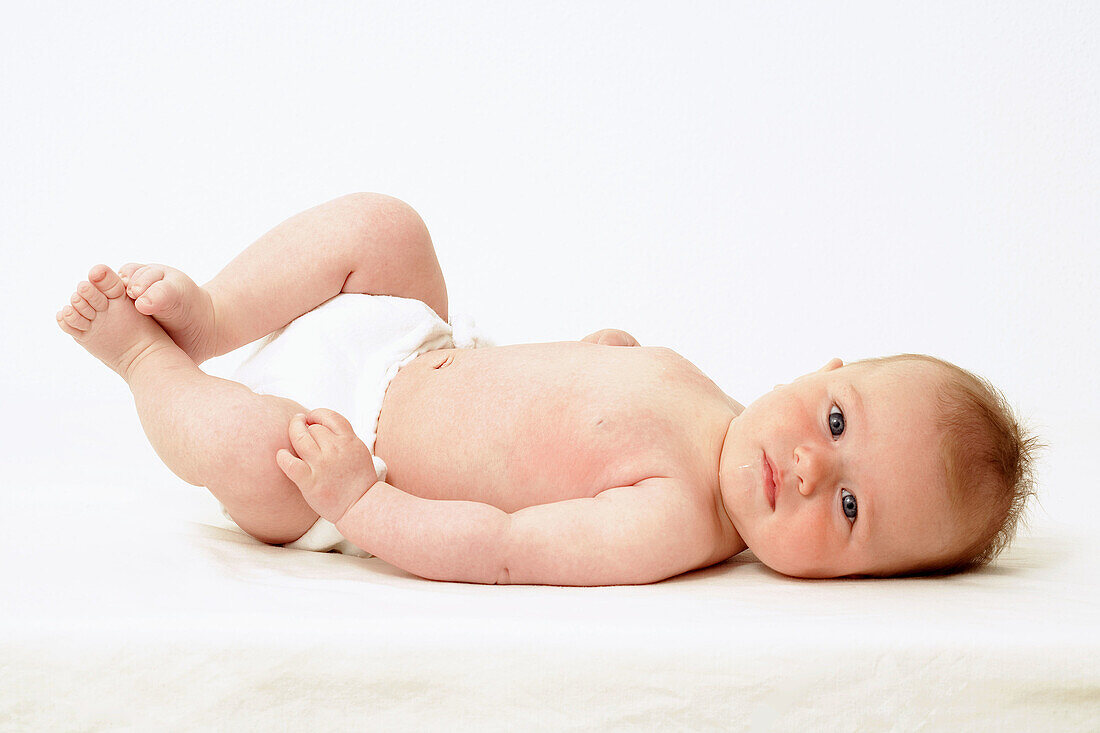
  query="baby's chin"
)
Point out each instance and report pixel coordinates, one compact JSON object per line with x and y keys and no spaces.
{"x":802,"y":568}
{"x":765,"y":558}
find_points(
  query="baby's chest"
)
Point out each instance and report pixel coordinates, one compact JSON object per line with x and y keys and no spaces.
{"x":513,"y":438}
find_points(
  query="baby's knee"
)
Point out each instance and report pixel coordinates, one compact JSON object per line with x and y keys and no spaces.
{"x":381,"y":212}
{"x":272,"y":431}
{"x":254,"y":430}
{"x":258,"y":495}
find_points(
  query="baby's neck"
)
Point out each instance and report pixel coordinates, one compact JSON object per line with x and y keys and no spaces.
{"x":727,"y":472}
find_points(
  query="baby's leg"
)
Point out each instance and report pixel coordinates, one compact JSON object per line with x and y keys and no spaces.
{"x":360,"y":243}
{"x":210,"y":432}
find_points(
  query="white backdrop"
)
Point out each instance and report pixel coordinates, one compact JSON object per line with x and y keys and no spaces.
{"x":760,"y":187}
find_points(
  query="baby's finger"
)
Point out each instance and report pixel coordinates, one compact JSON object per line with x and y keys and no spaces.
{"x":295,"y":468}
{"x":321,"y":434}
{"x":332,"y":420}
{"x":300,"y":437}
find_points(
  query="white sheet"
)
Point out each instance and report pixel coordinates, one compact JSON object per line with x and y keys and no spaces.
{"x":122,"y":613}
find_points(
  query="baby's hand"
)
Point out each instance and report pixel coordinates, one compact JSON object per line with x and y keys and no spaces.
{"x":335,"y":468}
{"x":611,"y":337}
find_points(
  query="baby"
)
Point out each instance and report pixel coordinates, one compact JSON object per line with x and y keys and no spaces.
{"x":598,"y":462}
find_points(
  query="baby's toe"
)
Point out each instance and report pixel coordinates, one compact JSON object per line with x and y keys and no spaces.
{"x":70,"y":316}
{"x":96,"y":299}
{"x":81,"y":306}
{"x":60,"y":316}
{"x":106,"y":281}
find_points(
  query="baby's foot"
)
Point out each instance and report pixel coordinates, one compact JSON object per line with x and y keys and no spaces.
{"x":104,"y":321}
{"x":179,"y":305}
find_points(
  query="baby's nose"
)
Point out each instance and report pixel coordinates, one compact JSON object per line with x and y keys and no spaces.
{"x":812,"y":469}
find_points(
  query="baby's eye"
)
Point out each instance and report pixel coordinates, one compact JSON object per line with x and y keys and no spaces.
{"x":848,"y":502}
{"x":836,"y":422}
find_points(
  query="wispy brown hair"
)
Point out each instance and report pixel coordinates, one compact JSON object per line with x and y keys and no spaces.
{"x":989,"y":460}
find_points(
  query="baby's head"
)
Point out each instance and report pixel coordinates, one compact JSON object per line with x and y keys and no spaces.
{"x":902,"y":465}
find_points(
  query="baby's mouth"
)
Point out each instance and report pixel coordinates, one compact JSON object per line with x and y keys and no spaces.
{"x":770,"y":484}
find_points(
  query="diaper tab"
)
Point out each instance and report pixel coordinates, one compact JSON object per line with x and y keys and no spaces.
{"x":466,"y":334}
{"x":379,"y":467}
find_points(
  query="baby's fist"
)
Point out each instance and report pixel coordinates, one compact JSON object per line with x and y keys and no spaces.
{"x":333,"y":468}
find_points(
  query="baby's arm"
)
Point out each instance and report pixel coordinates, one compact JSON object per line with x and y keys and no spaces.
{"x":652,"y":530}
{"x":643,"y":533}
{"x":441,"y":540}
{"x":633,"y":534}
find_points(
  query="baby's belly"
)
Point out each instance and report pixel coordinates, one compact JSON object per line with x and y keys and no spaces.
{"x":527,"y":424}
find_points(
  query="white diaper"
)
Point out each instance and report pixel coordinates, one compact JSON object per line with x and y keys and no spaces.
{"x":342,"y":355}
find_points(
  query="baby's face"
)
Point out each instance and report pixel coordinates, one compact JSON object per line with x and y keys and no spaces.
{"x":861,"y":487}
